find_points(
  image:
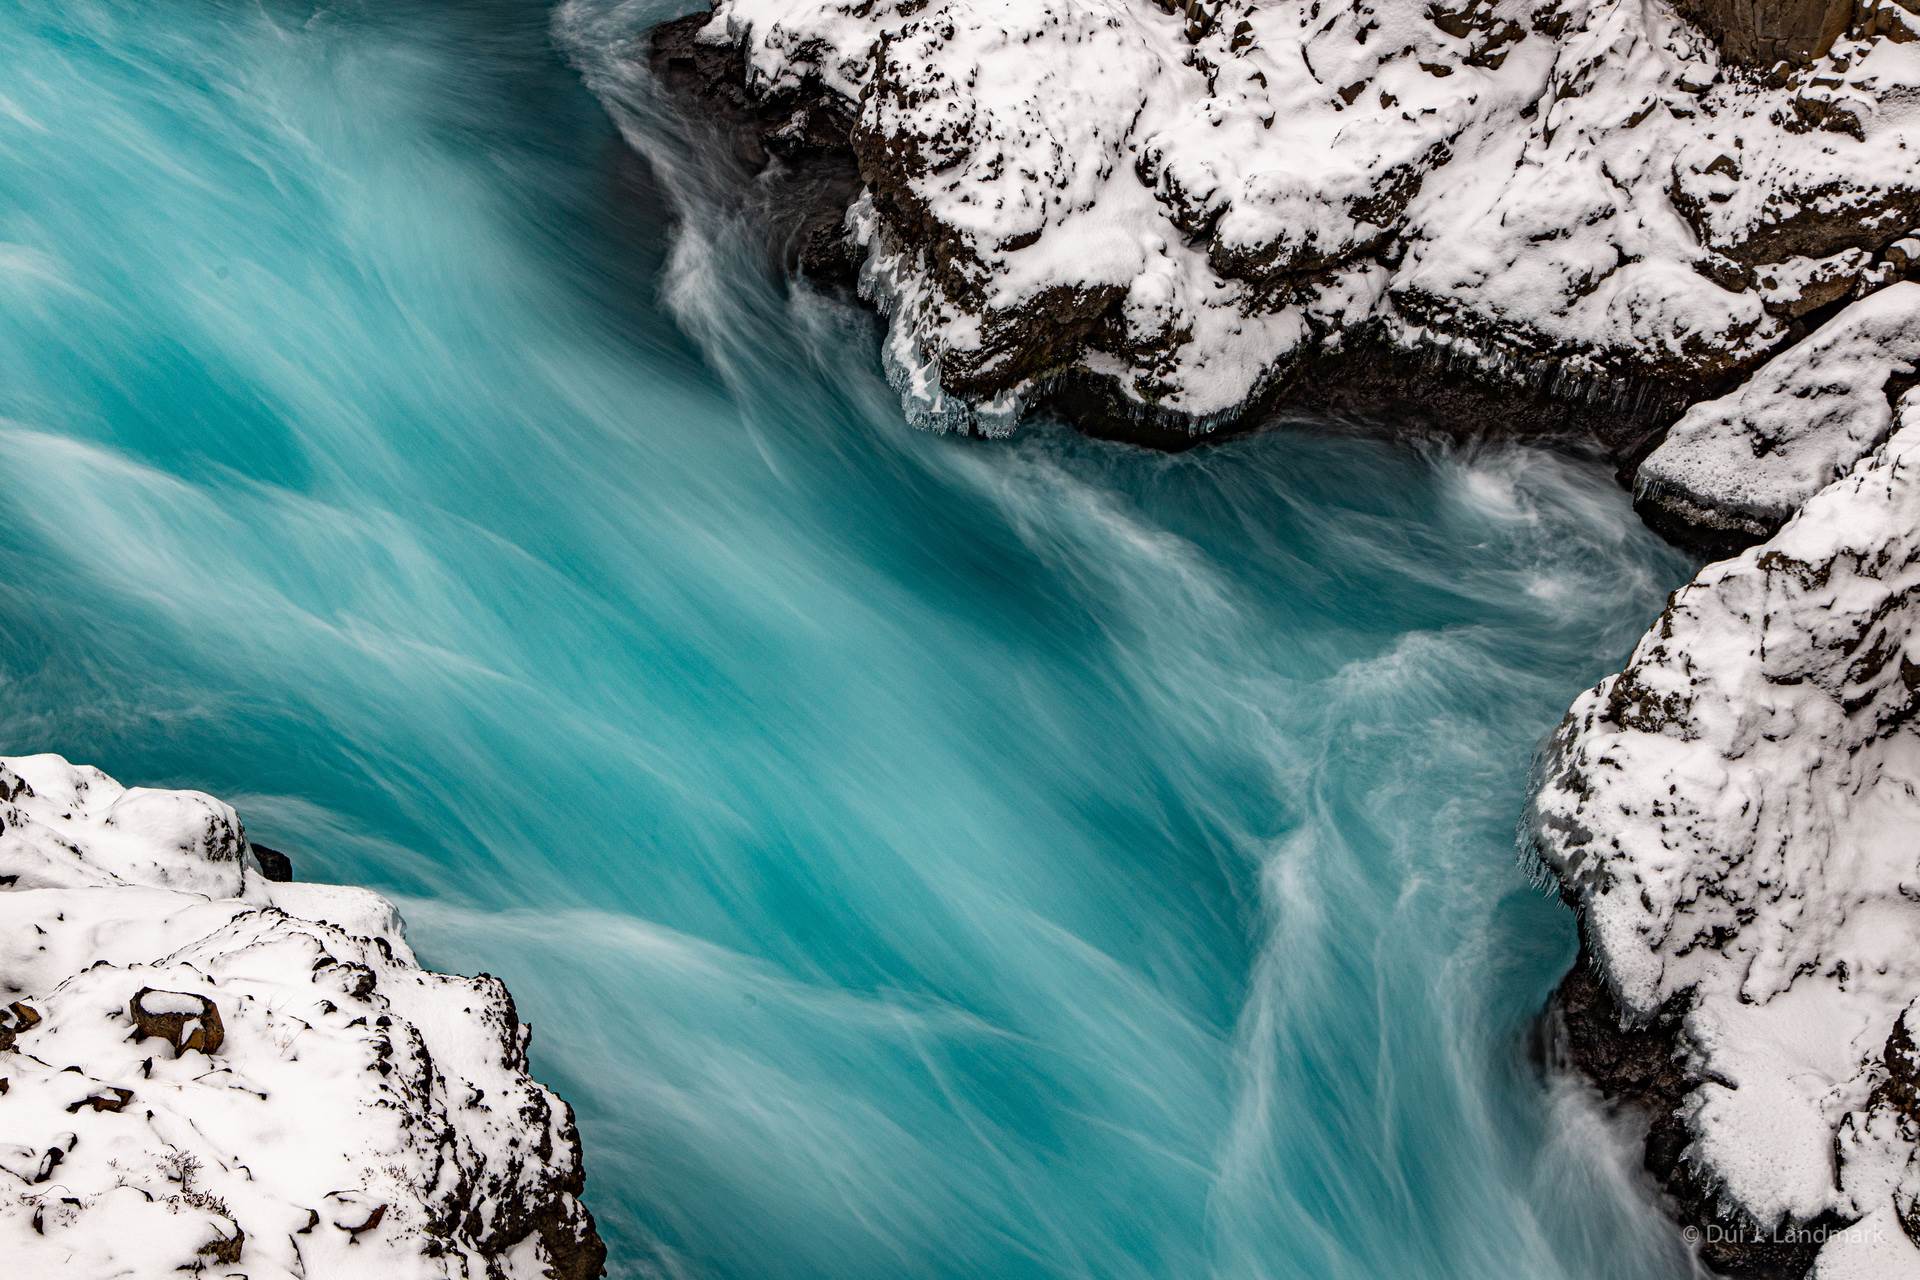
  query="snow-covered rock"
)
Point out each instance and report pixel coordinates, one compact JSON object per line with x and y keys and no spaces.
{"x":1740,"y":465}
{"x":1186,"y":204}
{"x":202,"y":1071}
{"x":1737,"y":817}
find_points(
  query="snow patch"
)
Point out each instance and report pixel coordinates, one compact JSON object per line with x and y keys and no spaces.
{"x":204,"y":1071}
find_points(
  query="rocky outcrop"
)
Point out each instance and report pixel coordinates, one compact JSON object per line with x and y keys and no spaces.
{"x":796,"y":135}
{"x":1766,"y":32}
{"x":1197,"y":207}
{"x":1733,"y":470}
{"x":201,"y":1068}
{"x":1736,"y":817}
{"x":1640,"y":1064}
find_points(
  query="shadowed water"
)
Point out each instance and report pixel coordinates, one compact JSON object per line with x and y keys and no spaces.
{"x":918,"y":857}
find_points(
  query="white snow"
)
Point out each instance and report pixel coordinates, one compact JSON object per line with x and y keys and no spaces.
{"x":1751,"y":458}
{"x":1738,"y":813}
{"x":1577,"y":179}
{"x":358,"y":1117}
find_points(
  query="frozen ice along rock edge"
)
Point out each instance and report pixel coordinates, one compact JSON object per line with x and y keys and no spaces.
{"x":203,"y":1070}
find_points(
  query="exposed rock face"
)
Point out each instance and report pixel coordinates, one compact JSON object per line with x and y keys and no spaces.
{"x":1736,"y":816}
{"x":1641,"y":1063}
{"x":273,"y":864}
{"x":1762,"y":32}
{"x":1195,"y":207}
{"x":803,"y":129}
{"x":202,"y":1069}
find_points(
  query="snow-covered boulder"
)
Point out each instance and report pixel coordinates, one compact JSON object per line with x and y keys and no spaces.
{"x":1737,"y":817}
{"x":1185,"y":202}
{"x":1733,"y":469}
{"x":202,"y":1071}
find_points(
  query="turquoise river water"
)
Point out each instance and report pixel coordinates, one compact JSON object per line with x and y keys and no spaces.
{"x":918,"y":856}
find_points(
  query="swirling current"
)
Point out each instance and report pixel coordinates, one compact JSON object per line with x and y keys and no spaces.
{"x":917,"y":856}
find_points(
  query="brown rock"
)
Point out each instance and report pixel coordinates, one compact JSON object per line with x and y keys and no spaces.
{"x":1763,"y":32}
{"x":14,"y":1019}
{"x":225,"y":1249}
{"x":111,"y":1098}
{"x":194,"y":1026}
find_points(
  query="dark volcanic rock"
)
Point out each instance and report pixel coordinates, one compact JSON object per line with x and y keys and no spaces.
{"x":1732,"y":471}
{"x":1641,"y":1067}
{"x":260,"y":1056}
{"x":795,"y":143}
{"x":274,"y":865}
{"x":1167,"y":226}
{"x":1762,"y":32}
{"x":1714,"y":812}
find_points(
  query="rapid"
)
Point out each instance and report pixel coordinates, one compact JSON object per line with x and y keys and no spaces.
{"x":918,"y":856}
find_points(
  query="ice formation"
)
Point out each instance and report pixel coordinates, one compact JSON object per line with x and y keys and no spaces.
{"x":202,"y":1071}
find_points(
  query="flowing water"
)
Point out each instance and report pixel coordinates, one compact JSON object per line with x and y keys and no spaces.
{"x":918,"y":856}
